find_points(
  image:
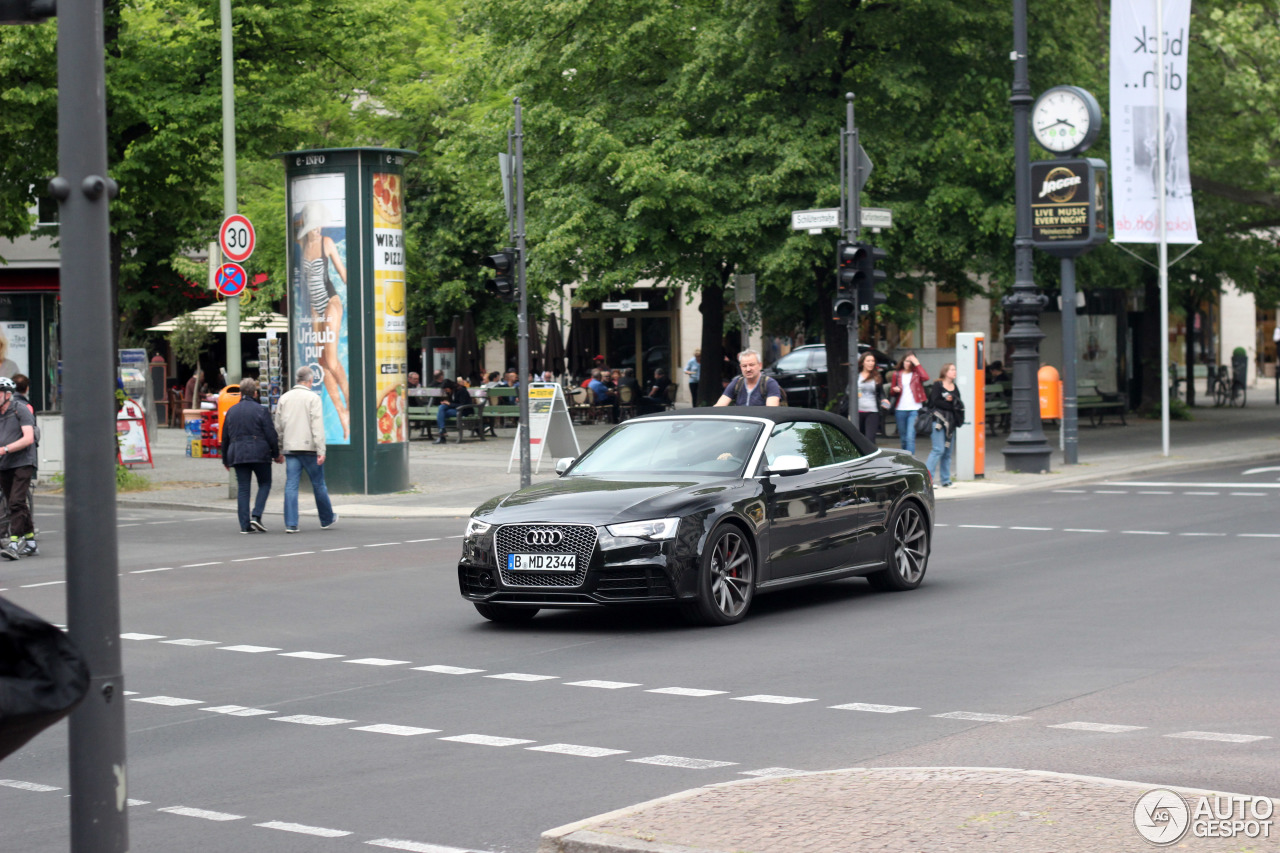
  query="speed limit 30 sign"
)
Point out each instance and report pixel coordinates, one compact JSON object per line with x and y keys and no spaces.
{"x":236,"y":238}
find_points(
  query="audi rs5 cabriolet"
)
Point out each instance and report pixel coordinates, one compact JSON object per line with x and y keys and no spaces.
{"x":703,"y":508}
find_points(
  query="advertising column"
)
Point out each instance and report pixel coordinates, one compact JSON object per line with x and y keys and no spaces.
{"x":347,"y":308}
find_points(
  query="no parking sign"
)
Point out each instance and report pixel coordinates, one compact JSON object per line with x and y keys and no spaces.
{"x":231,"y":279}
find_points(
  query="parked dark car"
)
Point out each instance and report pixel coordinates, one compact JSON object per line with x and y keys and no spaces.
{"x":802,"y":373}
{"x":704,"y":508}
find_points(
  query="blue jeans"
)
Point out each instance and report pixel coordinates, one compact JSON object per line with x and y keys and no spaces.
{"x":907,"y":428}
{"x":443,"y":412}
{"x":940,"y":455}
{"x":293,"y":465}
{"x":244,"y":475}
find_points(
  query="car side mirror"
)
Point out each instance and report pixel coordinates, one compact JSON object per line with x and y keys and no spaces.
{"x":563,"y":465}
{"x":787,"y":466}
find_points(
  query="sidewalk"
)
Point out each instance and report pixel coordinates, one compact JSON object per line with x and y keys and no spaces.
{"x":452,"y":479}
{"x":893,"y":810}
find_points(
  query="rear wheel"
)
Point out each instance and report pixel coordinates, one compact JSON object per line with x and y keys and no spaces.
{"x":1219,"y":393}
{"x":908,"y":554}
{"x":1237,"y":396}
{"x":505,"y":612}
{"x":726,"y":580}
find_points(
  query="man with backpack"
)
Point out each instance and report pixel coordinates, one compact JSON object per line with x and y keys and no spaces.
{"x":17,"y":467}
{"x":748,"y":389}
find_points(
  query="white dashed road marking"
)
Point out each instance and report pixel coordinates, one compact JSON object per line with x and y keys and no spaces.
{"x":310,"y":655}
{"x":331,"y":550}
{"x":448,"y":670}
{"x":414,"y":846}
{"x":310,"y":720}
{"x":199,"y":565}
{"x":149,"y":571}
{"x":205,"y":814}
{"x":522,"y":676}
{"x":687,"y":691}
{"x":679,"y":761}
{"x":172,"y":701}
{"x":27,"y":786}
{"x":303,"y":829}
{"x":980,"y":718}
{"x":981,"y":526}
{"x":575,"y":749}
{"x":252,"y":650}
{"x":1030,"y":528}
{"x":603,"y":685}
{"x":378,"y":662}
{"x":46,"y":583}
{"x":1083,"y":530}
{"x":1146,"y":532}
{"x":414,"y":541}
{"x":875,"y":709}
{"x":487,"y":740}
{"x":773,"y":700}
{"x":387,"y":729}
{"x":251,"y":559}
{"x":238,"y":711}
{"x":296,"y":554}
{"x":1220,"y":736}
{"x":190,"y":642}
{"x":142,"y":636}
{"x":1097,"y":727}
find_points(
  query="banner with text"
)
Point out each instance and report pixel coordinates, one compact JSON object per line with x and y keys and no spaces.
{"x":1136,"y":71}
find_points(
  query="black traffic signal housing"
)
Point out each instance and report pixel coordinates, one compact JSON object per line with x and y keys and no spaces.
{"x":26,"y":11}
{"x":503,"y":283}
{"x":868,"y":277}
{"x":844,"y":306}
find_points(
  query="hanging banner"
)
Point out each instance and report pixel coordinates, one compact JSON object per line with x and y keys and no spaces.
{"x":549,"y":426}
{"x":318,"y":294}
{"x":390,"y":370}
{"x":1136,"y":71}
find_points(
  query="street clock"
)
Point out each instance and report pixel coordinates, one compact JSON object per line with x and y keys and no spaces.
{"x":1066,"y":120}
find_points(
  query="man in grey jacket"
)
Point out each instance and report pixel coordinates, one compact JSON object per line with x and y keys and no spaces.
{"x":300,"y":422}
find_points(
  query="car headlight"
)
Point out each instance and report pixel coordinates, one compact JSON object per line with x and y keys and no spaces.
{"x":658,"y":528}
{"x":476,"y":527}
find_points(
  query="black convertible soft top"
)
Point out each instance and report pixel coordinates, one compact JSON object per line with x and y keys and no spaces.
{"x":777,"y":414}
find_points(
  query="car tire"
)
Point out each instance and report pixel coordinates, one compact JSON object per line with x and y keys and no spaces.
{"x":726,"y":579}
{"x":907,"y":552}
{"x":505,"y":613}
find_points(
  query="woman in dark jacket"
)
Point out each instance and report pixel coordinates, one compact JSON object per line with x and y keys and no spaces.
{"x":250,"y":444}
{"x":948,"y":415}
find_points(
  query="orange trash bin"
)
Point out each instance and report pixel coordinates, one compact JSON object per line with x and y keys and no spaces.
{"x":1050,"y":393}
{"x":227,"y":398}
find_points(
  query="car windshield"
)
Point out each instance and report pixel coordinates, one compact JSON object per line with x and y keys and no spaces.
{"x":793,"y":361}
{"x":685,"y":446}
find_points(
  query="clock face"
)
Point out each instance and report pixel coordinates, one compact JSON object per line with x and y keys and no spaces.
{"x":1062,"y":120}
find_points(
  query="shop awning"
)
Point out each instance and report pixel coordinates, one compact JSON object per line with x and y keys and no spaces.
{"x":215,"y":317}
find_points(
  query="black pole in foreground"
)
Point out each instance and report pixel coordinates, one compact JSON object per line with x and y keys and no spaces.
{"x":1026,"y":449}
{"x":852,"y":219}
{"x":99,"y":820}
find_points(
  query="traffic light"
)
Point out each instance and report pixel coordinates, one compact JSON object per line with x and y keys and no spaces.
{"x":843,"y":306}
{"x":26,"y":11}
{"x":868,"y":277}
{"x":503,"y":283}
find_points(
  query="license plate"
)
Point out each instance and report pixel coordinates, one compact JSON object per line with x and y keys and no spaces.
{"x":541,"y":563}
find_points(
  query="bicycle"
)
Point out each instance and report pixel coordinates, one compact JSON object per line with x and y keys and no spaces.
{"x":1227,"y":391}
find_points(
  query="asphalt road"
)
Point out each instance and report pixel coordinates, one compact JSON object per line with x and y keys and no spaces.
{"x":281,"y":701}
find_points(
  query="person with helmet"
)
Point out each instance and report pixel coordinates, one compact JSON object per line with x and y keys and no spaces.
{"x":17,"y":466}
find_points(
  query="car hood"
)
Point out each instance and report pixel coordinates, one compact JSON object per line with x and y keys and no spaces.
{"x":600,"y":500}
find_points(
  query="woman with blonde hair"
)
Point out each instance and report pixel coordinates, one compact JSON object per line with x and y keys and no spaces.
{"x":318,"y":252}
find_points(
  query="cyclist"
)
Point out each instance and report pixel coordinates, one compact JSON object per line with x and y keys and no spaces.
{"x":17,"y":466}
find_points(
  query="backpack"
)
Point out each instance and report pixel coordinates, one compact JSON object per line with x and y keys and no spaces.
{"x":736,"y":386}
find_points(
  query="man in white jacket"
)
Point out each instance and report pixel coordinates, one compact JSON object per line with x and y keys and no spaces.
{"x":300,"y":423}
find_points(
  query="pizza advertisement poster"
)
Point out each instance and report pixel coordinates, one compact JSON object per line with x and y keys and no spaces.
{"x":391,"y":371}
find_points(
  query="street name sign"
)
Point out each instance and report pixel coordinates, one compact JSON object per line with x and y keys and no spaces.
{"x":808,"y":220}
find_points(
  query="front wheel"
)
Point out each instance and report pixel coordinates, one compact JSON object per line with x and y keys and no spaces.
{"x":726,"y":580}
{"x":908,"y":554}
{"x":1219,"y":393}
{"x":505,"y":613}
{"x":1237,"y":396}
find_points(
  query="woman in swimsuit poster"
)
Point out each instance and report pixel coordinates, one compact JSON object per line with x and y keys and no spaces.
{"x":316,"y":254}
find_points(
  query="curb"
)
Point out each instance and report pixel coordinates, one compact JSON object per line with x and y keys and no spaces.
{"x":582,"y":837}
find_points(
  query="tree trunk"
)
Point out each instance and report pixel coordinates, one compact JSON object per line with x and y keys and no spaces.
{"x":712,"y":308}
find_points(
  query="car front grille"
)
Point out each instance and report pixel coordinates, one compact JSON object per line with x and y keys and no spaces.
{"x":578,"y":539}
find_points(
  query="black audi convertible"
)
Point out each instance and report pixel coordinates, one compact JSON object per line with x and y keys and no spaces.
{"x":704,"y":508}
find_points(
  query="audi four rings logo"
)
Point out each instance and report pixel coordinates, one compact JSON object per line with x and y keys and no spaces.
{"x":543,"y":536}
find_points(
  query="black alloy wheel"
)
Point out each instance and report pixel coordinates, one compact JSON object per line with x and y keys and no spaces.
{"x":505,"y":612}
{"x":726,"y":581}
{"x":908,"y":554}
